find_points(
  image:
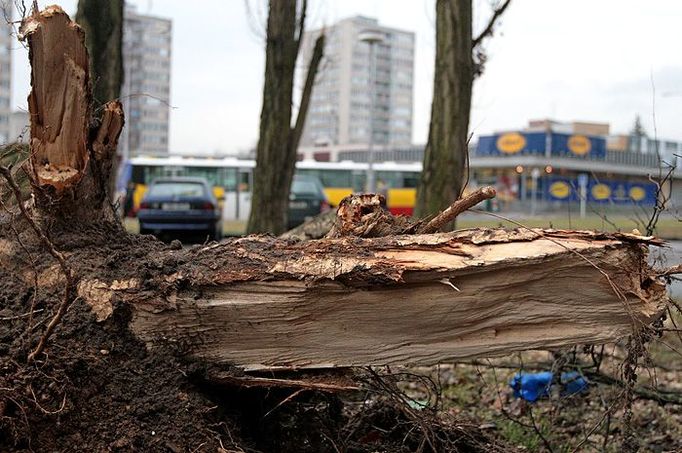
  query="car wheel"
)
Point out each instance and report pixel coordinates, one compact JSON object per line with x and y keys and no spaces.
{"x":217,"y":233}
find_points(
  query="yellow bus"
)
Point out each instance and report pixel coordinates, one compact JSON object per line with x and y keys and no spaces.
{"x":232,"y":180}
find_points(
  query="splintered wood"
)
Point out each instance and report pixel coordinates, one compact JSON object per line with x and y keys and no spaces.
{"x":411,"y":300}
{"x":59,"y":102}
{"x":70,"y":151}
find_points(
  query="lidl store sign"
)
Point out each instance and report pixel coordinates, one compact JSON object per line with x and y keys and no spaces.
{"x":511,"y":143}
{"x":537,"y":142}
{"x":617,"y":192}
{"x":579,"y":145}
{"x":560,"y":190}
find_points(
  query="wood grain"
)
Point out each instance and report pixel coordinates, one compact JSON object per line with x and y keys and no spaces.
{"x":413,"y":300}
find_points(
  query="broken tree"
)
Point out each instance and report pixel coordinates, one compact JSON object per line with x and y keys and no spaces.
{"x":259,"y":302}
{"x":97,"y":323}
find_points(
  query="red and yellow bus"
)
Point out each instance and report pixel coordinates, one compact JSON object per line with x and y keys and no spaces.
{"x":232,"y":180}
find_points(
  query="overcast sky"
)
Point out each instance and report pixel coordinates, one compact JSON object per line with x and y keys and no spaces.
{"x":605,"y":61}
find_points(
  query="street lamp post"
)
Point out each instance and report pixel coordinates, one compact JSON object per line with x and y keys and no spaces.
{"x":372,"y":38}
{"x":534,"y":174}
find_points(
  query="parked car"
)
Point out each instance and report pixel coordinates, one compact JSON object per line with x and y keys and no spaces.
{"x":306,"y":199}
{"x":173,"y":205}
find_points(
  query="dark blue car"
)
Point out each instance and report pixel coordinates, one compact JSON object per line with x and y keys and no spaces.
{"x":177,"y":205}
{"x":306,"y":200}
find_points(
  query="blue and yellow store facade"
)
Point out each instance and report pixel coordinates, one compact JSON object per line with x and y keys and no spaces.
{"x":558,"y":168}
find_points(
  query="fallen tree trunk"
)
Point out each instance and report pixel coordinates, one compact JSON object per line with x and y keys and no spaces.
{"x":262,"y":303}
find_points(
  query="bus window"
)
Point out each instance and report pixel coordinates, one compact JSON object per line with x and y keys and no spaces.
{"x":153,"y":172}
{"x":227,"y":178}
{"x":390,"y":179}
{"x":210,"y":174}
{"x":138,"y":174}
{"x":330,"y":178}
{"x":359,"y":180}
{"x":410,"y":180}
{"x":245,"y":180}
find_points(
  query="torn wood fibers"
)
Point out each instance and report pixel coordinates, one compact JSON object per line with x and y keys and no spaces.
{"x":411,"y":300}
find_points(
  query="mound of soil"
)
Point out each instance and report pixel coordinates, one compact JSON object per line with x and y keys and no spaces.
{"x":98,"y":388}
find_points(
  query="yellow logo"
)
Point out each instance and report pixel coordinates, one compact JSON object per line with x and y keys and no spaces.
{"x":601,"y":192}
{"x":511,"y":143}
{"x":637,"y":193}
{"x":579,"y":144}
{"x":560,"y":190}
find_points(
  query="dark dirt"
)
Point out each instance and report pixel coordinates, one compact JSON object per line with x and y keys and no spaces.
{"x":97,"y":388}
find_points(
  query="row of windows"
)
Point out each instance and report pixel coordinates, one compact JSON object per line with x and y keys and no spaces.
{"x":156,"y":40}
{"x":156,"y":88}
{"x":148,"y":114}
{"x":357,"y":179}
{"x":158,"y":76}
{"x":154,"y":139}
{"x":153,"y":126}
{"x":228,"y":177}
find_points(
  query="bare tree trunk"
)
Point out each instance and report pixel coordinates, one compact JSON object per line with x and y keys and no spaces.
{"x":446,"y":148}
{"x":278,"y":140}
{"x":445,"y":154}
{"x":102,"y":22}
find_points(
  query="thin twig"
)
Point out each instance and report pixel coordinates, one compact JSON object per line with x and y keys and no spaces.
{"x":284,"y":401}
{"x":491,"y":24}
{"x":30,"y":313}
{"x":456,"y":208}
{"x":676,"y":269}
{"x":70,"y":286}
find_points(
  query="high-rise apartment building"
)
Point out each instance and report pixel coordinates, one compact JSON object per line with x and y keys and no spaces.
{"x":6,"y":40}
{"x":341,"y":101}
{"x":146,"y":86}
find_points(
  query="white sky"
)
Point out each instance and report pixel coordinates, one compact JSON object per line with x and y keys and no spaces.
{"x":566,"y":59}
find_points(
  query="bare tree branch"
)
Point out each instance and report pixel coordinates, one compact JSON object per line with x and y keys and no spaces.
{"x":301,"y":25}
{"x":456,"y":208}
{"x":491,"y":24}
{"x":297,"y":131}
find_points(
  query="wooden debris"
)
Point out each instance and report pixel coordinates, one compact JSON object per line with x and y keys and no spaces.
{"x":365,"y":215}
{"x":370,"y":294}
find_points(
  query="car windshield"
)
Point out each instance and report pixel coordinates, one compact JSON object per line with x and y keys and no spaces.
{"x":177,"y":189}
{"x":303,"y":186}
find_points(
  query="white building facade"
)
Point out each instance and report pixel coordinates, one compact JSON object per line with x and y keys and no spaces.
{"x":6,"y":42}
{"x":146,"y":87}
{"x":341,"y":101}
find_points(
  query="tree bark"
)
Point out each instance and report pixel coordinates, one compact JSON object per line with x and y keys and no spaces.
{"x":446,"y":151}
{"x":446,"y":148}
{"x":102,"y":22}
{"x":278,"y":140}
